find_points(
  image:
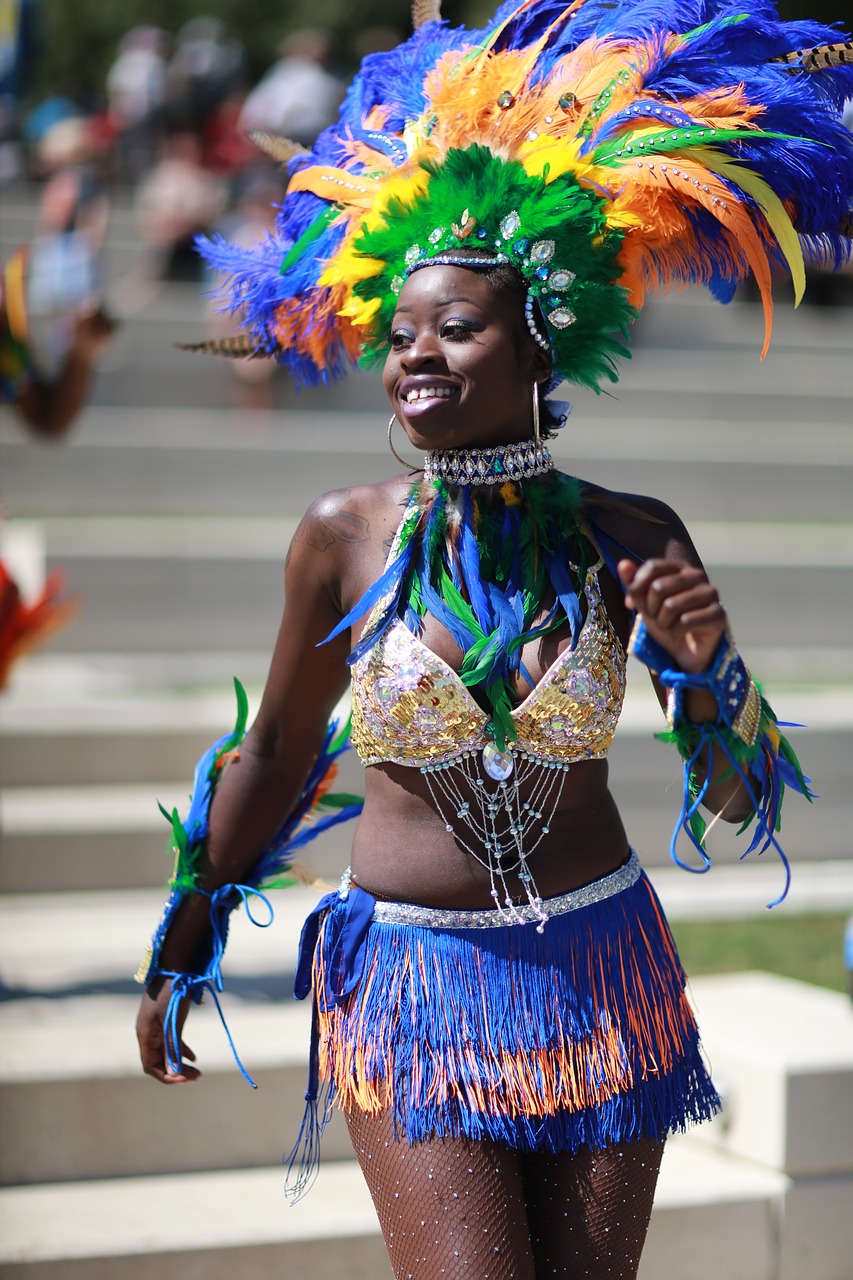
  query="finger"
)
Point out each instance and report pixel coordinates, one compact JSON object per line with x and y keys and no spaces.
{"x":187,"y":1075}
{"x":697,"y":606}
{"x":711,"y":615}
{"x":627,"y":570}
{"x":638,"y":578}
{"x":154,"y":1064}
{"x":652,"y":600}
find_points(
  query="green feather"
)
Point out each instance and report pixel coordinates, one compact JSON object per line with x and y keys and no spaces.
{"x":316,"y":229}
{"x":562,"y":211}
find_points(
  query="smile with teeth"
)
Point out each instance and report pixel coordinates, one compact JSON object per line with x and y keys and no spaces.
{"x":427,"y":393}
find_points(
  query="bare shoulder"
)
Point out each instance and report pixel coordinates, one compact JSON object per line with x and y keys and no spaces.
{"x":642,"y":526}
{"x":346,"y":517}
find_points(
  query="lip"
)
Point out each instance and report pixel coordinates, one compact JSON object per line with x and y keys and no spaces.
{"x":430,"y":404}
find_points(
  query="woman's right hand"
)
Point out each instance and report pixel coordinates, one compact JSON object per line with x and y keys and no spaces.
{"x":152,"y":1037}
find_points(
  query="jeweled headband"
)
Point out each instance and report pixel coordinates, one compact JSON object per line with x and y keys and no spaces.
{"x":604,"y":148}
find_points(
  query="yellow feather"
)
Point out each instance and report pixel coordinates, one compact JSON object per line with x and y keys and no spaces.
{"x":770,"y":205}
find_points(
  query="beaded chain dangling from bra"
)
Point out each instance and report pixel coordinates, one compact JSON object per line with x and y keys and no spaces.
{"x":505,"y":829}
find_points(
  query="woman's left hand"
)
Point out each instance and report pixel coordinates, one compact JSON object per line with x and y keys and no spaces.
{"x":679,"y":606}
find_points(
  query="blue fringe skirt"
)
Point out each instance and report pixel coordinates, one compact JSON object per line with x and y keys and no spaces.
{"x":461,"y":1024}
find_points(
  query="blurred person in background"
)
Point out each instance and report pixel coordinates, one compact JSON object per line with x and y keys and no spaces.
{"x":205,"y":69}
{"x":136,"y":89}
{"x":175,"y":201}
{"x":17,"y":49}
{"x":299,"y":96}
{"x":47,"y":391}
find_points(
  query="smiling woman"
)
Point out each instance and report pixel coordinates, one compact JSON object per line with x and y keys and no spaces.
{"x":499,"y":1008}
{"x":459,"y":373}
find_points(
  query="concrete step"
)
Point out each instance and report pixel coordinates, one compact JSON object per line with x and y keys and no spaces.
{"x":67,"y":723}
{"x":713,"y":1217}
{"x":75,"y":1105}
{"x":130,"y":460}
{"x":783,"y":1052}
{"x":206,"y":1226}
{"x":70,"y":719}
{"x":181,"y":582}
{"x":133,"y":602}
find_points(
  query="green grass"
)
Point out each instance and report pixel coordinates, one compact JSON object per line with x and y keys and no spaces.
{"x":808,"y":947}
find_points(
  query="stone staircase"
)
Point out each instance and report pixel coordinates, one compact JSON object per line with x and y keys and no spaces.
{"x":171,"y":515}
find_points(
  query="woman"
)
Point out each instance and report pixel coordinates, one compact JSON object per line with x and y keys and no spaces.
{"x":499,"y":1008}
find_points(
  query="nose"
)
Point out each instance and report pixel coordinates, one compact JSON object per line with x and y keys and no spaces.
{"x":424,"y":348}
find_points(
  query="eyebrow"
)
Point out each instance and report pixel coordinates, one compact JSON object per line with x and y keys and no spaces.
{"x":444,"y":302}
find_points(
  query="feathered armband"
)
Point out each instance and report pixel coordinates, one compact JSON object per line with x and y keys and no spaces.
{"x":745,"y":730}
{"x":316,"y":810}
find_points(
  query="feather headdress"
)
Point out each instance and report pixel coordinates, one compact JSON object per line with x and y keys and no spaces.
{"x":606,"y":148}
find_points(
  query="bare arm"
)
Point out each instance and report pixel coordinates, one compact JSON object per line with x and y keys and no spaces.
{"x":49,"y":408}
{"x":669,"y":589}
{"x":259,"y":788}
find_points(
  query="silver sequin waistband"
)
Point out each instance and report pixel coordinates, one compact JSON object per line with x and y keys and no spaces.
{"x":491,"y":918}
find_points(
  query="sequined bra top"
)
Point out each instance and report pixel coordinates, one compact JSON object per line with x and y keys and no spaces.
{"x":410,"y":708}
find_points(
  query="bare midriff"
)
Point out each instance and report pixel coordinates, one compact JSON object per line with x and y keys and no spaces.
{"x":403,"y":852}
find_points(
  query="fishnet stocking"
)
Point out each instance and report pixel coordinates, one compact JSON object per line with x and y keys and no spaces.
{"x":477,"y":1211}
{"x":589,"y":1213}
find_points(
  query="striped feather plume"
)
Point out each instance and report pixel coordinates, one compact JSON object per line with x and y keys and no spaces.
{"x":606,"y":148}
{"x":238,"y":348}
{"x":826,"y":55}
{"x":278,"y":148}
{"x":424,"y":11}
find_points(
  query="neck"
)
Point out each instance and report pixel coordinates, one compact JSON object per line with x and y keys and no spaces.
{"x":494,"y":464}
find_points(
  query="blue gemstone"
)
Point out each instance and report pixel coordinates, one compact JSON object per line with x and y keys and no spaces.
{"x":481,"y":233}
{"x":521,"y":246}
{"x":543,"y":272}
{"x":498,"y":467}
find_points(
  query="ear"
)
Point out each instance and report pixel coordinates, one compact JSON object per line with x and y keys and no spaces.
{"x":540,"y":364}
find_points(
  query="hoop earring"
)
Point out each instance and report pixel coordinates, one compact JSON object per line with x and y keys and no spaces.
{"x":410,"y":466}
{"x":536,"y":436}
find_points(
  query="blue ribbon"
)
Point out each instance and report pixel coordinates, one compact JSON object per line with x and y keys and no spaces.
{"x":194,"y":985}
{"x":344,"y":945}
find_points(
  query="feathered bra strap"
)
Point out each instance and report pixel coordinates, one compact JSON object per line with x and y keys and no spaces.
{"x":483,"y":563}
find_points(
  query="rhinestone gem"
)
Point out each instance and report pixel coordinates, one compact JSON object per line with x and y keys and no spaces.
{"x":397,"y":284}
{"x":505,"y":100}
{"x":435,"y":236}
{"x":497,"y":764}
{"x":562,"y":279}
{"x":567,"y":101}
{"x":510,"y":224}
{"x":412,"y":254}
{"x":561,"y":318}
{"x":542,"y":251}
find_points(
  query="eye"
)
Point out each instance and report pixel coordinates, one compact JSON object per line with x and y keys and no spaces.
{"x":458,"y":330}
{"x":399,"y":339}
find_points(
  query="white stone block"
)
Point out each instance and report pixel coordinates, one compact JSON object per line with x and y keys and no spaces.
{"x":714,"y":1216}
{"x":817,"y":1230}
{"x":781,"y":1053}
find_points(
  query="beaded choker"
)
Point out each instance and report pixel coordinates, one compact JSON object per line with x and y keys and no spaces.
{"x":488,"y":466}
